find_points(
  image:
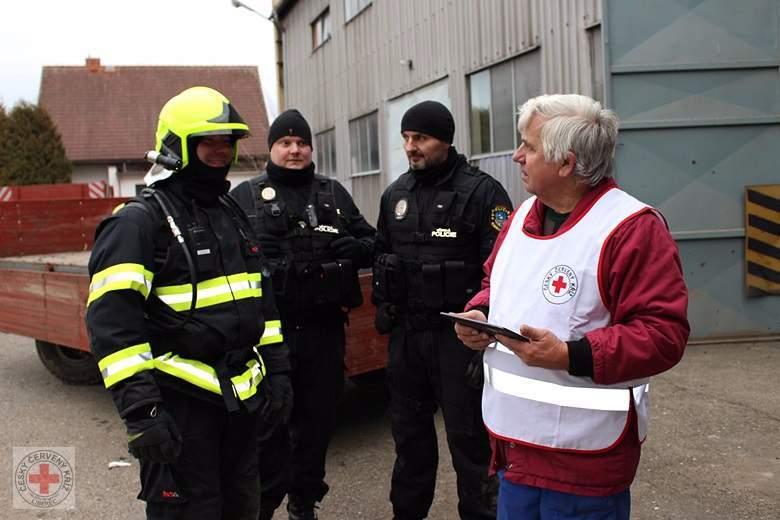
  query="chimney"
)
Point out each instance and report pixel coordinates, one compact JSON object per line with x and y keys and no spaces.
{"x":93,"y":65}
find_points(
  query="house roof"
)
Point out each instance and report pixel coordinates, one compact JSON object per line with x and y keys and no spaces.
{"x":109,"y":113}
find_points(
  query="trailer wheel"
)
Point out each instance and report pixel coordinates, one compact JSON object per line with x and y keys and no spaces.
{"x":70,"y":365}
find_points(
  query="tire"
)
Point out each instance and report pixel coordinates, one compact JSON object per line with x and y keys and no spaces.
{"x":72,"y":366}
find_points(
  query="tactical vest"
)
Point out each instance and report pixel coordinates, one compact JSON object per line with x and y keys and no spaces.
{"x":308,"y":274}
{"x":435,"y":264}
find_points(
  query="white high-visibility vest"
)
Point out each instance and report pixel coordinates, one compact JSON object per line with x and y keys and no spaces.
{"x":552,"y":282}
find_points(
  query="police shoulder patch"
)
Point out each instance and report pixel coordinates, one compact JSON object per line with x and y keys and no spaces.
{"x":498,"y":216}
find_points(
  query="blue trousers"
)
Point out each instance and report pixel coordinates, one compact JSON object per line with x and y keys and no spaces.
{"x":519,"y":502}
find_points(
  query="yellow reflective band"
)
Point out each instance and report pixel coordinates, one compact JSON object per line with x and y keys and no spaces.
{"x":120,"y":277}
{"x":212,"y":292}
{"x":204,"y":376}
{"x":245,"y":384}
{"x":607,"y":399}
{"x":272,"y":333}
{"x":125,"y":363}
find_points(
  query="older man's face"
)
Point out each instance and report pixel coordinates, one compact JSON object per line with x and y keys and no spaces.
{"x":539,"y":176}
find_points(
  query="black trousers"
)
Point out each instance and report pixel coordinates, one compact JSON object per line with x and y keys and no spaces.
{"x":427,"y":370}
{"x":215,"y":476}
{"x":292,"y":456}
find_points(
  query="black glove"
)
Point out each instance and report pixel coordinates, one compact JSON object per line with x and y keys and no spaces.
{"x":269,"y":245}
{"x":348,"y":247}
{"x":278,"y":399}
{"x":385,"y":318}
{"x":152,"y":435}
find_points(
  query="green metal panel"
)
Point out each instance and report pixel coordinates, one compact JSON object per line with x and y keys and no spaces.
{"x":696,"y":84}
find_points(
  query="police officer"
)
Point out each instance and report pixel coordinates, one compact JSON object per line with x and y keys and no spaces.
{"x":437,"y":225}
{"x":317,"y":240}
{"x":183,"y":322}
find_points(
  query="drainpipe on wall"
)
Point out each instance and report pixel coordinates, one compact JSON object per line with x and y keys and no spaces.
{"x":279,"y":49}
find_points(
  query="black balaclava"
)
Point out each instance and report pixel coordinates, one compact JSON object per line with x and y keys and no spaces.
{"x":203,"y":183}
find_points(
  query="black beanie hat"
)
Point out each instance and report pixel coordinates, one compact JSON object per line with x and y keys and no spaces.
{"x":289,"y":123}
{"x":431,"y":118}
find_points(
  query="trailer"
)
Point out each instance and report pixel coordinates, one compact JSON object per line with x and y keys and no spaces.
{"x":45,"y":237}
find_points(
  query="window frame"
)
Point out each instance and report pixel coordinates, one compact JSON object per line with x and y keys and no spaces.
{"x":362,"y":5}
{"x":492,"y":152}
{"x":359,"y":128}
{"x":329,"y":136}
{"x":321,"y":22}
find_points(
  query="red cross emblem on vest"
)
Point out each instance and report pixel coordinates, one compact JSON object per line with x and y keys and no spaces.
{"x":560,"y":284}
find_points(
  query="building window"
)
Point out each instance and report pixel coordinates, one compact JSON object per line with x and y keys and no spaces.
{"x":495,"y":95}
{"x":596,"y":63}
{"x":320,"y":29}
{"x":326,"y":152}
{"x":352,"y":8}
{"x":364,"y":144}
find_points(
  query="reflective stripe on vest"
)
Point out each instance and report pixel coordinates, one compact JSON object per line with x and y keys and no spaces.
{"x":212,"y":292}
{"x":608,"y":399}
{"x":119,"y":277}
{"x":272,"y":333}
{"x":551,"y":408}
{"x":125,"y":363}
{"x":204,"y":376}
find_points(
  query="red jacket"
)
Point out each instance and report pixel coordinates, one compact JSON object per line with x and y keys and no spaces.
{"x":643,"y":288}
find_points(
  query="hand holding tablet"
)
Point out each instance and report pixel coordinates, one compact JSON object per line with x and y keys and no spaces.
{"x":483,"y":326}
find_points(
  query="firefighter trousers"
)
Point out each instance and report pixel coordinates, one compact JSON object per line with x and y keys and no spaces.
{"x":292,"y":456}
{"x":426,"y":371}
{"x":215,"y":476}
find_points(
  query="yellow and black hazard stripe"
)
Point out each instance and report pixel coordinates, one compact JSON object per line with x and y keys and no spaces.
{"x":762,"y":239}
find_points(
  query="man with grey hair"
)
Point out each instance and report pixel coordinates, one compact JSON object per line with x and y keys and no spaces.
{"x":566,"y":408}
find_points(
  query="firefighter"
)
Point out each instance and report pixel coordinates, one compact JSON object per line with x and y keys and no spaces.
{"x":437,"y":224}
{"x":317,"y":240}
{"x":183,"y":322}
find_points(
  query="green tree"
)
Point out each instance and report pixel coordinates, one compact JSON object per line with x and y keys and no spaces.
{"x":31,"y":150}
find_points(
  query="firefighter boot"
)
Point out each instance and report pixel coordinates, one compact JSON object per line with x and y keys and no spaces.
{"x":299,"y":509}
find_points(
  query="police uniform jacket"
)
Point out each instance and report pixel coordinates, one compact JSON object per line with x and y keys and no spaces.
{"x":304,"y":213}
{"x":435,"y":229}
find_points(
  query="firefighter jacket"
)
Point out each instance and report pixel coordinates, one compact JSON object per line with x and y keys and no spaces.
{"x":141,"y":293}
{"x":434,"y":231}
{"x":304,"y":213}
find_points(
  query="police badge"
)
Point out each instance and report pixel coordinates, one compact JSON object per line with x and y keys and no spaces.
{"x":401,"y":207}
{"x":268,"y":193}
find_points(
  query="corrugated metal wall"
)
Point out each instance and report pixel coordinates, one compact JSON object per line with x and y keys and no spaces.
{"x":360,"y":68}
{"x":697,"y":87}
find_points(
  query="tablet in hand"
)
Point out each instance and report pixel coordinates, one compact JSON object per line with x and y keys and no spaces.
{"x":484,"y":326}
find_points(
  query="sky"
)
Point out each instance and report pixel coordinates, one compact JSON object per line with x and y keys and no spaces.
{"x":34,"y":33}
